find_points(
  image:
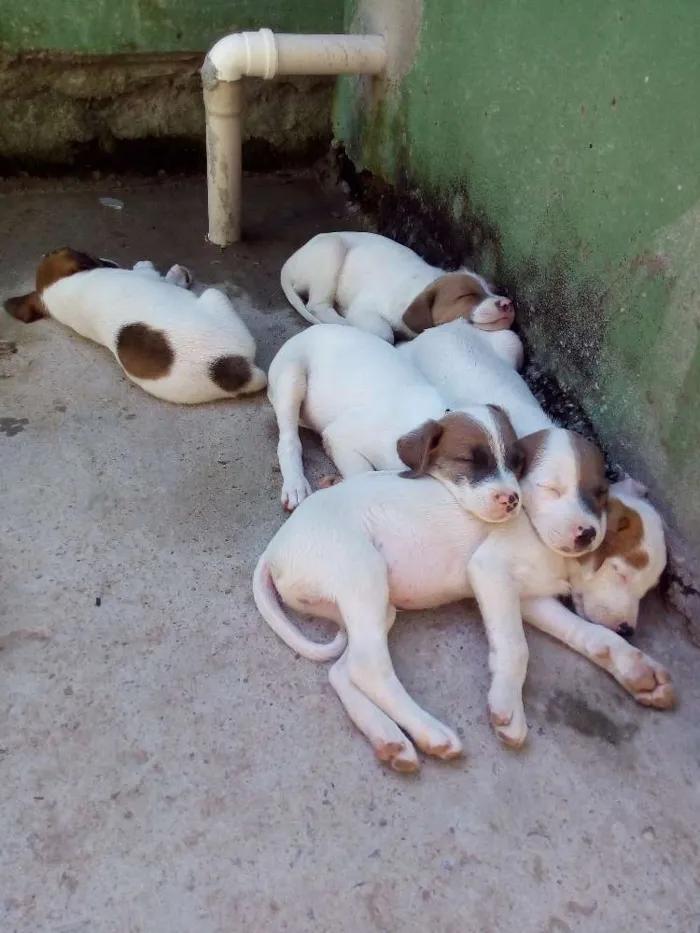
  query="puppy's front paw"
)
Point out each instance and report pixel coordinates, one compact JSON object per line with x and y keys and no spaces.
{"x":179,"y":275}
{"x":331,"y":480}
{"x":294,"y":492}
{"x":648,"y":681}
{"x":507,"y":714}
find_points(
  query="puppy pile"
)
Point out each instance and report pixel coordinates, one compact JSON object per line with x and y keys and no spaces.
{"x":452,"y":482}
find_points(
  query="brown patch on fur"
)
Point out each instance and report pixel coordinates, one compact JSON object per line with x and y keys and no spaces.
{"x":623,"y":537}
{"x":453,"y":295}
{"x":26,"y":308}
{"x":416,"y":447}
{"x":54,"y":266}
{"x":64,"y":262}
{"x":457,"y":446}
{"x":145,"y":353}
{"x":592,"y":482}
{"x":514,"y":450}
{"x":230,"y":373}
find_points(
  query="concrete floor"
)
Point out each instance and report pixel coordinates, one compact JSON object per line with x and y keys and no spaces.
{"x":168,"y":766}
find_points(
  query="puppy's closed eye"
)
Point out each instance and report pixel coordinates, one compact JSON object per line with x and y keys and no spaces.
{"x":554,"y":491}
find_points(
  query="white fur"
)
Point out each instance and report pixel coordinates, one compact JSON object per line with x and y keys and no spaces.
{"x":372,"y":278}
{"x":360,"y":396}
{"x":459,"y":361}
{"x":98,"y":303}
{"x":376,"y":543}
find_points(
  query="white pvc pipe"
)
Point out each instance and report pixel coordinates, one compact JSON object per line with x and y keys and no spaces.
{"x":263,"y":54}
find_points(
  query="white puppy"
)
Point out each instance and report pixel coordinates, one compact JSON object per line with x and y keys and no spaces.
{"x":564,"y":487}
{"x":361,"y":396}
{"x":385,"y":288}
{"x":357,"y":552}
{"x":176,"y":345}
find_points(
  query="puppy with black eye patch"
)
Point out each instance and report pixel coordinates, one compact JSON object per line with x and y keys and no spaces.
{"x":178,"y":346}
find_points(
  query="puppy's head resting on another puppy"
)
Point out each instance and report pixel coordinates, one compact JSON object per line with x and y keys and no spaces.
{"x":54,"y":266}
{"x":608,"y":584}
{"x":565,"y":491}
{"x":458,"y":295}
{"x":475,"y":454}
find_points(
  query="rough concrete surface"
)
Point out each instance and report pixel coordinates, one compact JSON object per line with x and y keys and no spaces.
{"x":65,"y":109}
{"x":168,"y":766}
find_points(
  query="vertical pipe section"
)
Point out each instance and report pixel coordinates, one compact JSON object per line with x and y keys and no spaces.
{"x":223,"y":103}
{"x":263,"y":54}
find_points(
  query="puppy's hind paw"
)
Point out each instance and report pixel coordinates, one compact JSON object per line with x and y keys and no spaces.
{"x":295,"y":492}
{"x":401,"y":756}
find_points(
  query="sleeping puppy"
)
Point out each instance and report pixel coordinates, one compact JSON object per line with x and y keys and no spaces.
{"x":382,"y":287}
{"x":176,"y":345}
{"x":361,"y":396}
{"x":357,"y":552}
{"x":564,"y":487}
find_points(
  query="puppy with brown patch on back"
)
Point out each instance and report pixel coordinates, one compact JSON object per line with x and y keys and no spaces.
{"x":176,"y":345}
{"x":380,"y":286}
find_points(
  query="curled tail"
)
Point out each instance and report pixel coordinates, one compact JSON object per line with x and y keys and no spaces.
{"x":267,"y":601}
{"x":294,"y":298}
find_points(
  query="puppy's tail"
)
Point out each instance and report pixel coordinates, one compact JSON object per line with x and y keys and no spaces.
{"x":293,"y":297}
{"x":267,"y":601}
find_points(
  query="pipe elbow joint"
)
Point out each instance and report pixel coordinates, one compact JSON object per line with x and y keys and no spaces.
{"x":239,"y":55}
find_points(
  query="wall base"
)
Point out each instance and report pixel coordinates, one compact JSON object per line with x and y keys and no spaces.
{"x":404,"y":215}
{"x":144,"y":112}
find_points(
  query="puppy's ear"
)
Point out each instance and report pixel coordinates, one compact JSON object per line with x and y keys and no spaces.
{"x":26,"y":308}
{"x":533,"y":446}
{"x":417,"y":447}
{"x":623,"y":534}
{"x":418,"y":316}
{"x":630,"y":487}
{"x":516,"y":459}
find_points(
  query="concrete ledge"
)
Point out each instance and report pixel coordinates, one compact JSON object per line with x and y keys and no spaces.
{"x":67,"y":110}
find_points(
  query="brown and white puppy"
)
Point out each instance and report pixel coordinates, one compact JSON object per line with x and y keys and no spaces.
{"x":176,"y":345}
{"x":360,"y":396}
{"x":608,"y":584}
{"x":373,"y":283}
{"x":357,"y":552}
{"x":564,"y":486}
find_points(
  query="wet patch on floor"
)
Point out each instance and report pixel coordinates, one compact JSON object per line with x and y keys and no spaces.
{"x":573,"y":711}
{"x":11,"y":426}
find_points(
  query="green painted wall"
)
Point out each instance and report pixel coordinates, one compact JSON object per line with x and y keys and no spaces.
{"x":573,"y":131}
{"x":112,"y":26}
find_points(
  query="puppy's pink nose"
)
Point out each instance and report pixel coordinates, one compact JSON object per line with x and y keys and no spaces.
{"x":504,"y":304}
{"x":509,"y":500}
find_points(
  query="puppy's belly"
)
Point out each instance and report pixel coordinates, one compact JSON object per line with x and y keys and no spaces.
{"x":423,"y":577}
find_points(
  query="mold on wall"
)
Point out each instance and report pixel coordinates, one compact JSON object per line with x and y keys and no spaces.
{"x":562,"y":141}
